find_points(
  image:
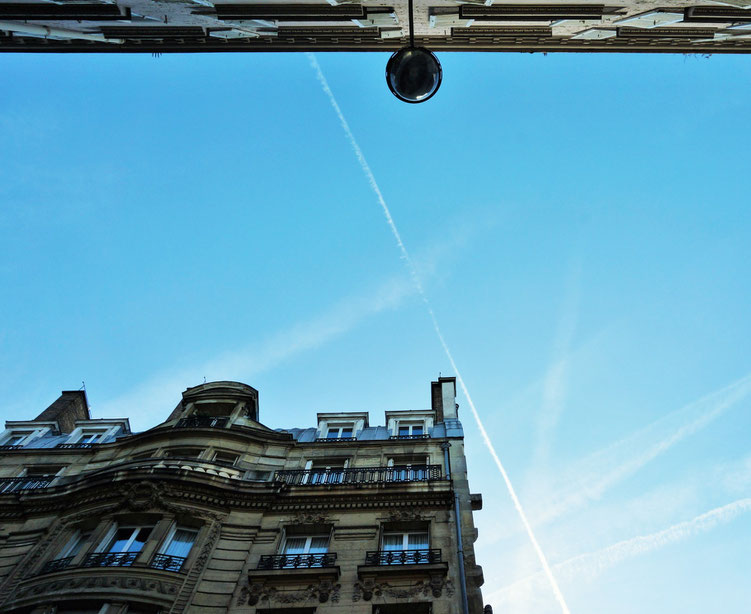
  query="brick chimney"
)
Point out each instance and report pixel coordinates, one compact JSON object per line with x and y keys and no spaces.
{"x":70,"y":406}
{"x":443,"y":398}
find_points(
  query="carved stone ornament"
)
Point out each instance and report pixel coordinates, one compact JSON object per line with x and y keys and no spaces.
{"x":369,"y":588}
{"x":405,"y":515}
{"x":143,"y":496}
{"x":85,"y":584}
{"x":322,"y":592}
{"x":311,"y":518}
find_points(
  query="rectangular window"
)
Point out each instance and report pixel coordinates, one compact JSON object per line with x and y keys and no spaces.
{"x":127,"y":539}
{"x":410,"y":429}
{"x":405,"y":541}
{"x":192,"y":453}
{"x":226,"y":458}
{"x":340,"y":432}
{"x":408,"y":468}
{"x":89,"y":437}
{"x":403,"y":548}
{"x":16,"y":438}
{"x":65,"y":556}
{"x":327,"y":471}
{"x":74,"y":545}
{"x":311,"y":544}
{"x":304,"y":551}
{"x":120,"y":547}
{"x":175,"y":549}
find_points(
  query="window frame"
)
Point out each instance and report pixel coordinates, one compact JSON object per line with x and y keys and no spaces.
{"x":339,"y":428}
{"x":217,"y":453}
{"x":405,"y":539}
{"x":410,"y":424}
{"x":111,"y":533}
{"x":308,"y":543}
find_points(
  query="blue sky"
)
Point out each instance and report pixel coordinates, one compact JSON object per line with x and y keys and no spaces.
{"x":580,"y":224}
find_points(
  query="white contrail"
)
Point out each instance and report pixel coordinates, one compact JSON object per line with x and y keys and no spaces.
{"x":416,"y":278}
{"x":593,"y":563}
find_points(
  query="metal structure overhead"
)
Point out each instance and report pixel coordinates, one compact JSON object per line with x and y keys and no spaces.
{"x":682,"y":26}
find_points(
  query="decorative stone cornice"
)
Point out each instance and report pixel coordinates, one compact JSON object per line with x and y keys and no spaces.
{"x":367,"y":588}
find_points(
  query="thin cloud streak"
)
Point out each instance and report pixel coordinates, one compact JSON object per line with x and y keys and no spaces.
{"x":591,"y":482}
{"x":589,"y":565}
{"x":152,"y":396}
{"x":416,"y":280}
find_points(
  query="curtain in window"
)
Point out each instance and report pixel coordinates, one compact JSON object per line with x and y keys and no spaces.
{"x":417,"y":541}
{"x":181,"y":543}
{"x":319,"y":545}
{"x":295,"y":545}
{"x":393,"y":542}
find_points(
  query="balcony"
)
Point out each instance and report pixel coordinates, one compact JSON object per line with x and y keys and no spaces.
{"x":334,"y":439}
{"x":56,"y":565}
{"x":403,"y":557}
{"x":109,"y":559}
{"x":75,"y":446}
{"x":202,"y":422}
{"x":400,"y":565}
{"x":8,"y":485}
{"x":9,"y":446}
{"x":294,"y":572}
{"x":167,"y":562}
{"x":297,"y":561}
{"x":410,"y":437}
{"x":360,"y":475}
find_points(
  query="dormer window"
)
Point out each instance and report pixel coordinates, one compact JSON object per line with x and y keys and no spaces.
{"x":93,"y":432}
{"x":410,"y":424}
{"x":410,"y":429}
{"x":341,"y":426}
{"x":18,"y":433}
{"x":340,"y":431}
{"x":16,"y":438}
{"x":90,"y":436}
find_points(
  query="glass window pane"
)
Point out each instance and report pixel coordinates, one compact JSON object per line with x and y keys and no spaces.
{"x":417,"y":430}
{"x":417,"y":541}
{"x":181,"y":543}
{"x":119,"y":541}
{"x":140,"y":539}
{"x":404,"y":430}
{"x":347,"y":432}
{"x":319,"y":544}
{"x":393,"y":541}
{"x":333,"y":434}
{"x":294,"y":545}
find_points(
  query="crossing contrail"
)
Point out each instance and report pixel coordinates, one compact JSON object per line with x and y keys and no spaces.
{"x":418,"y":284}
{"x":593,"y":563}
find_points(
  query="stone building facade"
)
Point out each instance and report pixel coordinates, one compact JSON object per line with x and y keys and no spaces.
{"x":212,"y":512}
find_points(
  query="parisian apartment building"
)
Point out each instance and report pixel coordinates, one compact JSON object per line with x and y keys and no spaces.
{"x":212,"y":512}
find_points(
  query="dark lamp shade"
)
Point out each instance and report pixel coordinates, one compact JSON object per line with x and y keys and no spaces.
{"x":413,"y":74}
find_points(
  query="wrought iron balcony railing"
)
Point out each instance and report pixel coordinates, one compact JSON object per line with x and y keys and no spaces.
{"x":297,"y":561}
{"x":109,"y":559}
{"x":403,"y":557}
{"x":410,"y":437}
{"x":75,"y":446}
{"x":10,"y":446}
{"x":334,"y":439}
{"x":15,"y":484}
{"x":56,"y":564}
{"x":202,"y":422}
{"x":360,"y":475}
{"x":167,"y":562}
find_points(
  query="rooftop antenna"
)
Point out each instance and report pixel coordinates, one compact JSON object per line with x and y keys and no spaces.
{"x":413,"y":74}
